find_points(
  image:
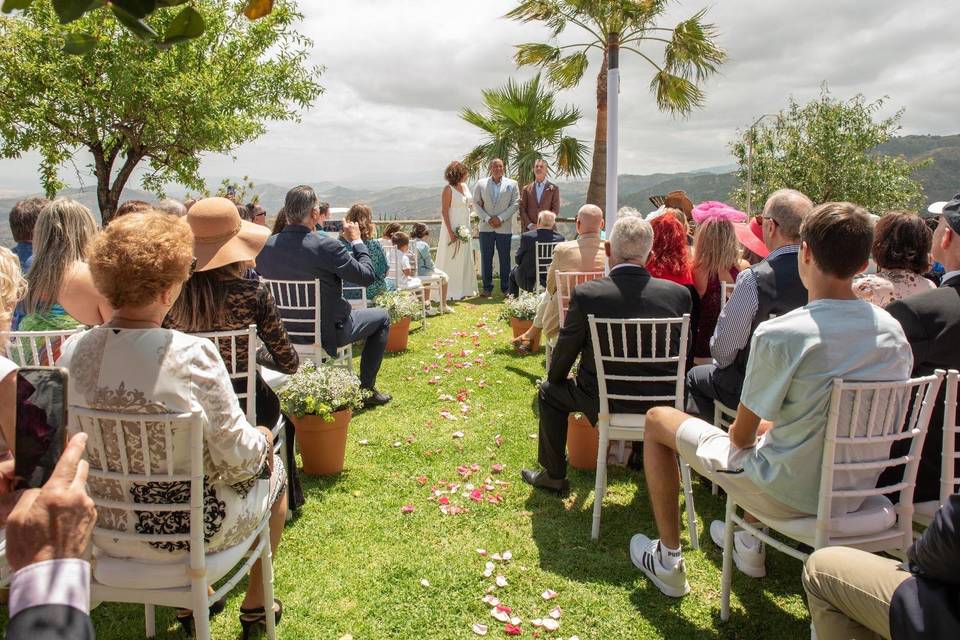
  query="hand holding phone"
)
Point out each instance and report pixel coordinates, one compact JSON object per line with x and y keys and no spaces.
{"x":41,"y":424}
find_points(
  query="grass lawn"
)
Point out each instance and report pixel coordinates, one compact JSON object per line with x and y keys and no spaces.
{"x":351,"y":563}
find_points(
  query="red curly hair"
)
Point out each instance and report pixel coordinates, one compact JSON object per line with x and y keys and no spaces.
{"x":670,"y":255}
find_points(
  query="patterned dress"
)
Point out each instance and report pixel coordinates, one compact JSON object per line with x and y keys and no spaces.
{"x":883,"y":287}
{"x":155,"y":371}
{"x":380,"y":267}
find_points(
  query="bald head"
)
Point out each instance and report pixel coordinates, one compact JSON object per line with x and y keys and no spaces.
{"x":589,"y":219}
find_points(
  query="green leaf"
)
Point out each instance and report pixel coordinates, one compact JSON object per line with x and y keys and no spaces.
{"x":187,"y":25}
{"x":10,"y":5}
{"x":70,"y":10}
{"x":136,"y":8}
{"x":79,"y":43}
{"x":137,"y":26}
{"x":171,"y":3}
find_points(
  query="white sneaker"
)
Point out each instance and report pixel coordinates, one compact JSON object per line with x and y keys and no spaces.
{"x":749,"y":553}
{"x":431,"y":312}
{"x":645,"y":554}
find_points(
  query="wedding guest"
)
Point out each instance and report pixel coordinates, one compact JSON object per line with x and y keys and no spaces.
{"x":61,"y":293}
{"x":389,"y":230}
{"x":12,"y":288}
{"x":298,"y":253}
{"x":670,"y":257}
{"x":279,"y":223}
{"x":406,"y":278}
{"x":539,"y":195}
{"x":362,"y":216}
{"x":628,"y":292}
{"x":132,"y":206}
{"x":770,"y":458}
{"x":680,"y":201}
{"x":255,"y":214}
{"x":140,"y":263}
{"x":495,"y":198}
{"x":524,"y":275}
{"x":772,"y":286}
{"x":48,"y":533}
{"x":23,"y":219}
{"x":171,"y":206}
{"x":716,"y":260}
{"x":901,"y":249}
{"x":426,"y":270}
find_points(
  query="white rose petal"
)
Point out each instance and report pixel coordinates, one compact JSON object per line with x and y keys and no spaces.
{"x":550,"y":624}
{"x":537,"y":622}
{"x":497,"y":557}
{"x":549,"y":594}
{"x":479,"y":629}
{"x":424,"y":582}
{"x":502,"y":616}
{"x":555,"y":613}
{"x":507,"y":555}
{"x":515,"y":621}
{"x":482,"y":552}
{"x":501,"y":581}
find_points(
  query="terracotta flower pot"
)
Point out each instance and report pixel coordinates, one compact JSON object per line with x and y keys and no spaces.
{"x":399,"y":335}
{"x":583,"y":441}
{"x":520,"y":326}
{"x":323,"y":445}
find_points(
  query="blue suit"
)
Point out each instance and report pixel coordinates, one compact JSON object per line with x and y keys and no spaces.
{"x":490,"y":202}
{"x":524,"y":276}
{"x":297,"y":253}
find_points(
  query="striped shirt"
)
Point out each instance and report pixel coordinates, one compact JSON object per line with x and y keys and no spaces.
{"x":736,"y":317}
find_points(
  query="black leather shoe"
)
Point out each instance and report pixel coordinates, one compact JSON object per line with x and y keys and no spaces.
{"x":376,"y":399}
{"x":542,"y":480}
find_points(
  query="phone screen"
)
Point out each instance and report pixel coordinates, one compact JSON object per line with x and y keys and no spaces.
{"x":41,"y":423}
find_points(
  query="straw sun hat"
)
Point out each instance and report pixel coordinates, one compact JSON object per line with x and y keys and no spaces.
{"x":220,"y":236}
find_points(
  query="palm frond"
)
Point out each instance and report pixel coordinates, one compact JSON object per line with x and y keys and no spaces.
{"x":477,"y":119}
{"x":567,"y":72}
{"x":692,"y":51}
{"x":533,"y":53}
{"x":571,"y":155}
{"x":549,"y":12}
{"x":676,"y":94}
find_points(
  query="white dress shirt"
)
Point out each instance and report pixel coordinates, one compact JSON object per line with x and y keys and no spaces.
{"x":59,"y":582}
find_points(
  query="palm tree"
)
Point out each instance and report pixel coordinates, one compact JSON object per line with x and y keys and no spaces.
{"x":522,"y":124}
{"x":689,"y":56}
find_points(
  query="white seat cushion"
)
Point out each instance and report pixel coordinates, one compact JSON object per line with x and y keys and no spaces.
{"x":274,"y":379}
{"x":876,"y":514}
{"x":629,"y":420}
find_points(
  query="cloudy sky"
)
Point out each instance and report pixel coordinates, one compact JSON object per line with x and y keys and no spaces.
{"x":399,"y":71}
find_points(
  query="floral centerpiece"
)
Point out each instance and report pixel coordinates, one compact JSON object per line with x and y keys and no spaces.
{"x":401,"y":306}
{"x":522,"y":307}
{"x":320,"y":402}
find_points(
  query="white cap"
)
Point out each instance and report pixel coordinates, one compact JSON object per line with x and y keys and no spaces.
{"x":937,"y":207}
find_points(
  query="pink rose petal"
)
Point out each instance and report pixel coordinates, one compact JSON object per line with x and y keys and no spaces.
{"x":501,"y":616}
{"x":507,"y":555}
{"x":549,"y":594}
{"x":479,"y":629}
{"x":444,"y":500}
{"x":496,"y":468}
{"x":550,"y":624}
{"x":501,"y":581}
{"x":512,"y":629}
{"x":407,"y":508}
{"x":481,"y":552}
{"x":537,"y":622}
{"x":555,"y":613}
{"x":496,"y":556}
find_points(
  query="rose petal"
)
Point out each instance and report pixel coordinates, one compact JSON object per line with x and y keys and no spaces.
{"x":444,"y":500}
{"x":555,"y":613}
{"x":397,"y":444}
{"x":532,"y":436}
{"x":507,"y":555}
{"x":550,"y":624}
{"x":363,"y":442}
{"x":501,"y":581}
{"x":457,"y":434}
{"x":549,"y":594}
{"x":501,"y":616}
{"x":490,"y":599}
{"x":482,"y":552}
{"x":479,"y":629}
{"x":424,"y":582}
{"x":512,"y":629}
{"x":504,"y":608}
{"x":407,"y":508}
{"x":497,"y":556}
{"x":422,"y":480}
{"x":537,"y":622}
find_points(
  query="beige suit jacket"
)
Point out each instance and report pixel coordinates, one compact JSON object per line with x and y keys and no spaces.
{"x":583,"y":254}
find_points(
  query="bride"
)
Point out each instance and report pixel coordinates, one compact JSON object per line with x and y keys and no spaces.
{"x":455,"y":255}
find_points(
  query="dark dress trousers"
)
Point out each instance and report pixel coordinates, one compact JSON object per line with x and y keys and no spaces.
{"x":524,"y":275}
{"x":628,"y":292}
{"x":297,"y":253}
{"x":931,"y":321}
{"x":50,"y":622}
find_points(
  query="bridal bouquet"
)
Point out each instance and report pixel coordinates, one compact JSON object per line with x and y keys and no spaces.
{"x":474,"y":217}
{"x":463,"y":233}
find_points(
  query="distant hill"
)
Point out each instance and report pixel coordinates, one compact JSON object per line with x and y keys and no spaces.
{"x":941,"y":180}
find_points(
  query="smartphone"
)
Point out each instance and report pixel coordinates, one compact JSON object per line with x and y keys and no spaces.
{"x":41,"y":433}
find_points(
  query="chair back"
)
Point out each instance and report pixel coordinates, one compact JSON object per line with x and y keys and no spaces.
{"x":865,"y":419}
{"x":544,"y":256}
{"x":298,"y":302}
{"x":642,"y":341}
{"x":395,"y":262}
{"x":227,"y":344}
{"x":37,"y":348}
{"x":358,"y":296}
{"x":566,"y":281}
{"x":950,"y":458}
{"x":726,"y":291}
{"x":131,"y":455}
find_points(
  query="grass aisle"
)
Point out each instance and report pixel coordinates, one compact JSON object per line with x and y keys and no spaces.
{"x":352,"y":562}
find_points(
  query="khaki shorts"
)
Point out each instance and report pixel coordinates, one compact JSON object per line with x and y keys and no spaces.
{"x":708,"y":451}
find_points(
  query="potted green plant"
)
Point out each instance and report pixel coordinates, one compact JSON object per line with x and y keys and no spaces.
{"x":402,"y":306}
{"x":320,"y":402}
{"x":520,"y":311}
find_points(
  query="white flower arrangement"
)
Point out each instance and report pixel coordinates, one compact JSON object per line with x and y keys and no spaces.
{"x":523,"y":307}
{"x":321,"y":391}
{"x":463,"y":233}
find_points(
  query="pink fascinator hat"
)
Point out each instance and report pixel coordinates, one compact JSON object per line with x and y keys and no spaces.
{"x":713,"y":210}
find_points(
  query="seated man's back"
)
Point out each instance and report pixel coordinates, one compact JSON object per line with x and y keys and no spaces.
{"x":794,"y":360}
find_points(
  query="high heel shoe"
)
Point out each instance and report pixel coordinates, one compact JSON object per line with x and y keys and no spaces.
{"x":185,"y":616}
{"x":250,"y":618}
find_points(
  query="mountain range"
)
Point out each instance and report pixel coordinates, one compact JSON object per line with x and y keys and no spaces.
{"x":941,"y":180}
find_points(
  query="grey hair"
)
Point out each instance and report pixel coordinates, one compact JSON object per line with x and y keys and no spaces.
{"x":625,"y":212}
{"x":631,"y":239}
{"x":171,"y":206}
{"x":300,"y":202}
{"x":547,"y":219}
{"x":788,"y":208}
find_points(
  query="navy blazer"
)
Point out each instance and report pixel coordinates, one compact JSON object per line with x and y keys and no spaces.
{"x":50,"y":622}
{"x":297,"y":253}
{"x":527,"y":257}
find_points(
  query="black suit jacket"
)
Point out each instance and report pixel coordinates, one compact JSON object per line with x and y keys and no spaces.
{"x":50,"y":622}
{"x":297,"y":253}
{"x":628,"y":292}
{"x":527,"y":257}
{"x":931,"y":321}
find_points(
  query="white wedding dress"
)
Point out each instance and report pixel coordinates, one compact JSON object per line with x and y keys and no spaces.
{"x":456,"y":260}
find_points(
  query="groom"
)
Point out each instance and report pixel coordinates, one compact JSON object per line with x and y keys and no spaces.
{"x":494,"y":199}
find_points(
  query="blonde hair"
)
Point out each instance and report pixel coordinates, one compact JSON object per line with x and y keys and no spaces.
{"x":136,"y":258}
{"x":64,"y":229}
{"x":715,"y":246}
{"x":12,"y":286}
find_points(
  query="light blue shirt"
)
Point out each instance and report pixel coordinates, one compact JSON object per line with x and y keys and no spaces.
{"x":540,"y":186}
{"x":495,"y":188}
{"x":793,"y":361}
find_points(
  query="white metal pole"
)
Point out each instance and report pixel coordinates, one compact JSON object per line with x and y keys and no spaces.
{"x":613,"y":128}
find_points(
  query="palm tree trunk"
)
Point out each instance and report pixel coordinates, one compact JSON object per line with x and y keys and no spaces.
{"x":596,"y":192}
